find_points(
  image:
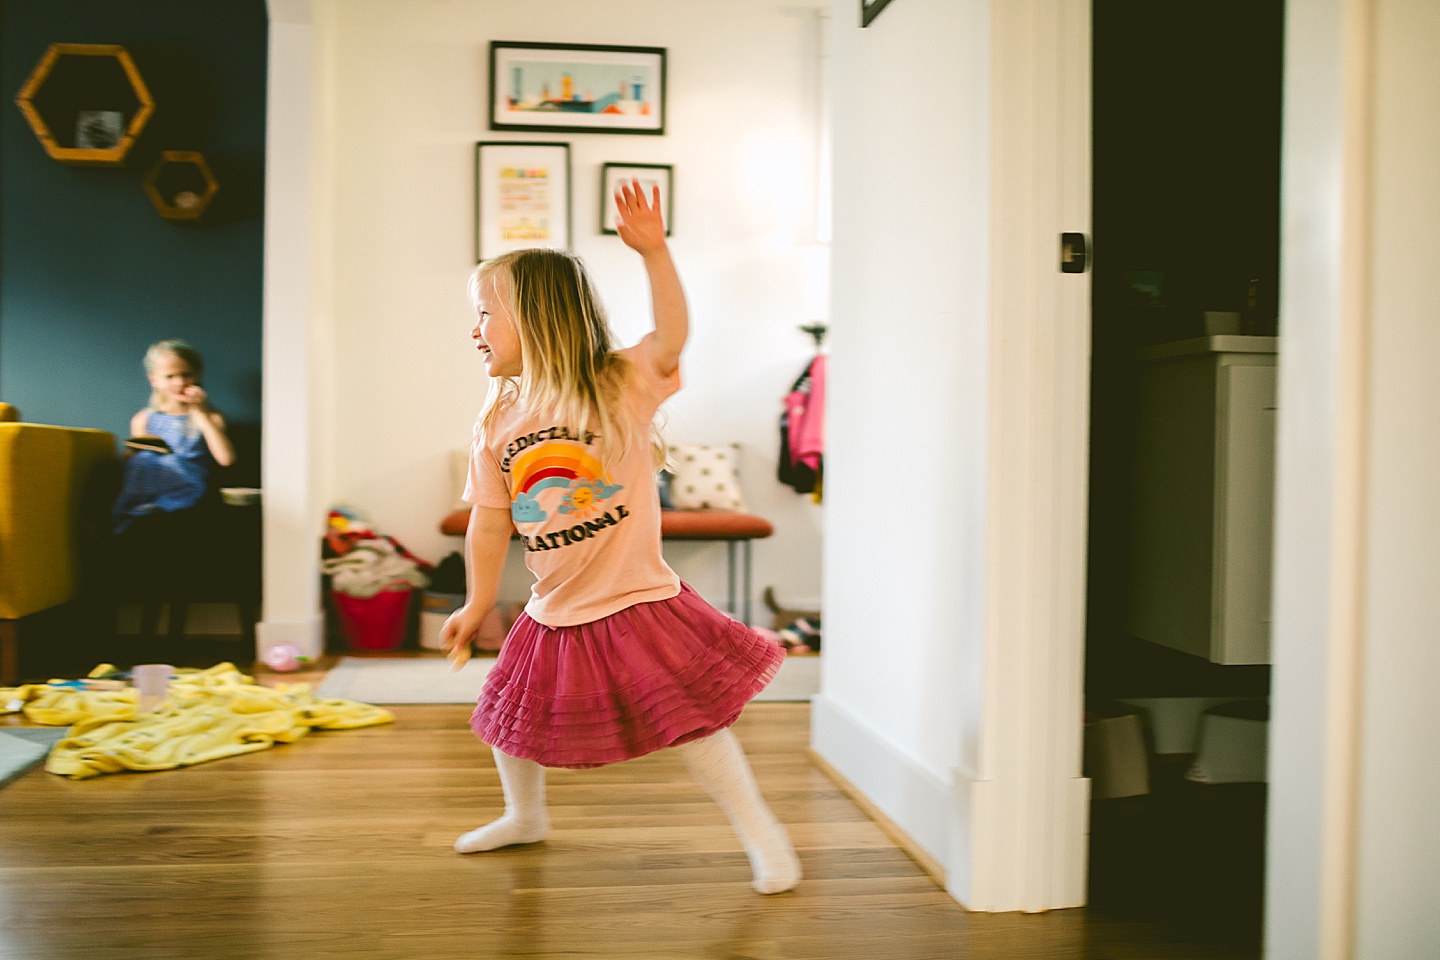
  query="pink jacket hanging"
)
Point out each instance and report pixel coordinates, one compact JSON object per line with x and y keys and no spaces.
{"x":807,"y":418}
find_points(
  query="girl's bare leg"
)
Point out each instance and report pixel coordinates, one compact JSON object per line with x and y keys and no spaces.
{"x":718,"y":764}
{"x":524,"y":820}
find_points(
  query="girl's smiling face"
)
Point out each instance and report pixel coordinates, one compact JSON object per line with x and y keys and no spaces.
{"x":494,"y":331}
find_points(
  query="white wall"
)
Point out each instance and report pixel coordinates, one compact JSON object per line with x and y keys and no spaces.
{"x":406,"y":96}
{"x":904,"y":548}
{"x":1398,"y":861}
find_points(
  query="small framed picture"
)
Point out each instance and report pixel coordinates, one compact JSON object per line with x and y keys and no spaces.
{"x":522,"y":197}
{"x":577,"y":88}
{"x":650,"y":175}
{"x":98,"y":129}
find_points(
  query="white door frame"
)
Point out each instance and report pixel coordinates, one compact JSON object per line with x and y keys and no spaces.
{"x":291,"y":435}
{"x":1028,"y":806}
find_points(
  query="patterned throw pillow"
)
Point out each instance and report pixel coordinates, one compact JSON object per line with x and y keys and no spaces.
{"x":705,"y":477}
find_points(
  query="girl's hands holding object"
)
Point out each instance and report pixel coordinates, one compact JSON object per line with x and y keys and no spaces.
{"x":640,"y":225}
{"x":458,"y":633}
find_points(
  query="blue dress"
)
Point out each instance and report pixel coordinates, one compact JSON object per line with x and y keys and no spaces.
{"x":164,"y":482}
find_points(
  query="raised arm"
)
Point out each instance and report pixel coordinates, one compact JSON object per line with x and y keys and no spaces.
{"x":487,"y":540}
{"x":210,"y":423}
{"x":643,"y":230}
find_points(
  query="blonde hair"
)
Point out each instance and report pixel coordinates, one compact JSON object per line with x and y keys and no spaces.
{"x":177,"y":348}
{"x":569,"y":365}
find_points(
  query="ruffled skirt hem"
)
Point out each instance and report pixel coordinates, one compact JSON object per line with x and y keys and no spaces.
{"x":651,"y":676}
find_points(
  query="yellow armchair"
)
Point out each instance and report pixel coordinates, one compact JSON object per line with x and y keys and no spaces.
{"x":43,"y":475}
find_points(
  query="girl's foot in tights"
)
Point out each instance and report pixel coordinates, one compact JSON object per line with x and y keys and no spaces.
{"x":525,"y":819}
{"x":718,"y":764}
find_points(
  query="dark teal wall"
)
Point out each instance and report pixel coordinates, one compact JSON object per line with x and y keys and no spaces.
{"x":90,"y":274}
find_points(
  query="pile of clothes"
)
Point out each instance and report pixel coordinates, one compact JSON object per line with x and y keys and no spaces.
{"x":361,"y":563}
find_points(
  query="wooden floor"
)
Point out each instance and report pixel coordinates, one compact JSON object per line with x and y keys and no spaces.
{"x":339,"y":846}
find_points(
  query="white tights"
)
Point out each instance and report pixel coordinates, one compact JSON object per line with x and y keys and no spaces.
{"x":524,"y":820}
{"x":717,"y":763}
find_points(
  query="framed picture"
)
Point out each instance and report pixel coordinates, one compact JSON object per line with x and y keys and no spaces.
{"x":577,"y":88}
{"x":522,"y":197}
{"x":98,"y":129}
{"x":870,"y":9}
{"x":650,"y":175}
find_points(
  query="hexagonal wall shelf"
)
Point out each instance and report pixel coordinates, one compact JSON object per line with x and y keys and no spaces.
{"x":180,"y":185}
{"x":86,"y":103}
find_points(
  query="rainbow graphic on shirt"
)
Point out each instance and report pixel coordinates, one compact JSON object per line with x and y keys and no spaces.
{"x":561,"y":464}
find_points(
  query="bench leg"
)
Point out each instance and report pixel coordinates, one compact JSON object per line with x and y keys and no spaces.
{"x":737,"y":590}
{"x":745,"y":557}
{"x":730,"y":606}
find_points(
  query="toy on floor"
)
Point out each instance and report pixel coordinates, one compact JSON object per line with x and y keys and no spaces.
{"x":284,"y":658}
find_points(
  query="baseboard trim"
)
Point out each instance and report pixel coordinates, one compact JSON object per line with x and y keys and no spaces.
{"x":909,"y":802}
{"x":889,"y":827}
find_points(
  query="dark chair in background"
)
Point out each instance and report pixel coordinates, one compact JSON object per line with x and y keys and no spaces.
{"x":210,"y":553}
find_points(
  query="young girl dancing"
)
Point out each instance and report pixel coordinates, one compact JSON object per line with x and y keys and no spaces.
{"x":614,"y":656}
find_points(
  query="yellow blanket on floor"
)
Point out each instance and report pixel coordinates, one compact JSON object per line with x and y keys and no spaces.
{"x":207,"y":715}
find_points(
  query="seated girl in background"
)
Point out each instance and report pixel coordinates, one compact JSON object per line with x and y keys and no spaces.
{"x":154,"y":482}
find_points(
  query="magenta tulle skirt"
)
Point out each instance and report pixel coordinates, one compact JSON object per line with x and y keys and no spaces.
{"x":653,"y":675}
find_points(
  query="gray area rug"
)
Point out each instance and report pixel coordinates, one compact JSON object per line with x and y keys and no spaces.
{"x":24,"y":747}
{"x":430,"y":680}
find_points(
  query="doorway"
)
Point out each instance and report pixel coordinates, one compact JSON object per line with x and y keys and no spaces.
{"x":1186,"y":198}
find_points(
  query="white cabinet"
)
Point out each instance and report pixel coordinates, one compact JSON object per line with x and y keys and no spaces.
{"x":1204,"y":484}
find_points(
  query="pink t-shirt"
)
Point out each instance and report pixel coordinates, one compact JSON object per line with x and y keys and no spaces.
{"x":591,"y":530}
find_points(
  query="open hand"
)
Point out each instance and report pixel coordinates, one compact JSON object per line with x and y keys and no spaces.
{"x":640,"y":225}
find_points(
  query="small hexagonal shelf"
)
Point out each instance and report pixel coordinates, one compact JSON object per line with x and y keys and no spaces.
{"x":86,"y":103}
{"x":180,"y":185}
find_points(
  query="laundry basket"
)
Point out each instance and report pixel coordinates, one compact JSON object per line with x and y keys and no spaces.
{"x":374,"y":623}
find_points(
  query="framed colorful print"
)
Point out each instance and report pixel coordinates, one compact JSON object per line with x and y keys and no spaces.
{"x":522,"y":197}
{"x":577,"y":88}
{"x":870,"y":9}
{"x":650,"y":175}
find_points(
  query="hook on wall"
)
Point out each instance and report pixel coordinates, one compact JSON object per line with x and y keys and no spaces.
{"x":818,"y":331}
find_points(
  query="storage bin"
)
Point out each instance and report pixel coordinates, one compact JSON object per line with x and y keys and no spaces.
{"x":435,"y":609}
{"x":1115,"y":757}
{"x":373,"y":623}
{"x":1233,"y":744}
